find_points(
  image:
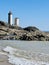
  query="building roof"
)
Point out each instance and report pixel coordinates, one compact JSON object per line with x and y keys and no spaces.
{"x":17,"y":18}
{"x":10,"y":12}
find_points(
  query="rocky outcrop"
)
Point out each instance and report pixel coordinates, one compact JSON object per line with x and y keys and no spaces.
{"x":35,"y":37}
{"x":2,"y":23}
{"x":8,"y":32}
{"x":30,"y":28}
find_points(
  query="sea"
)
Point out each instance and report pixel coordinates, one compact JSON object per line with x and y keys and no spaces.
{"x":26,"y":52}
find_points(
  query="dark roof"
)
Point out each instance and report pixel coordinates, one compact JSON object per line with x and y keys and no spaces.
{"x":16,"y":18}
{"x":10,"y":12}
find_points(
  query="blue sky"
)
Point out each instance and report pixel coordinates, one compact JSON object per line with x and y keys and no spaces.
{"x":30,"y":12}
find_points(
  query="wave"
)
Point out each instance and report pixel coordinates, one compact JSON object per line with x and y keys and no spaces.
{"x":21,"y":57}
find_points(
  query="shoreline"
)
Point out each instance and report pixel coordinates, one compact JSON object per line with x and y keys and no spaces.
{"x":10,"y":59}
{"x":4,"y":59}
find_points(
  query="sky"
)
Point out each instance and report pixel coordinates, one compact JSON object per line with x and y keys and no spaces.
{"x":30,"y":12}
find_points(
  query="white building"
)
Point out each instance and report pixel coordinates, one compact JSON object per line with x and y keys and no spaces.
{"x":16,"y":22}
{"x":10,"y":18}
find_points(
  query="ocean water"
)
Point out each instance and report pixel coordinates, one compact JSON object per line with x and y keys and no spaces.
{"x":26,"y":52}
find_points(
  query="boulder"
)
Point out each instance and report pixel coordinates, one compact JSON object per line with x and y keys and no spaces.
{"x":2,"y":23}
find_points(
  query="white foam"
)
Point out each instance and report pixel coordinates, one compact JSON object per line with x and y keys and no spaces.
{"x":9,"y":49}
{"x":23,"y":61}
{"x":20,"y":60}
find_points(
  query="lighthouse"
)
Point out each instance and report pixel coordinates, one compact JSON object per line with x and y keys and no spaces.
{"x":16,"y":23}
{"x":10,"y":18}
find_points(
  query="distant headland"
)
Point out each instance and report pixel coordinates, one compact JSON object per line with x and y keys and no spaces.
{"x":10,"y":31}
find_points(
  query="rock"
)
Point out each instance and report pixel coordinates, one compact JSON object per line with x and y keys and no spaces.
{"x":31,"y":28}
{"x":35,"y":37}
{"x":3,"y":33}
{"x":2,"y":23}
{"x":18,"y":33}
{"x":25,"y":37}
{"x":15,"y":27}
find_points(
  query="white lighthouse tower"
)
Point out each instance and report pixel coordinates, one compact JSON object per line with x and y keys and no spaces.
{"x":16,"y":23}
{"x":10,"y":18}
